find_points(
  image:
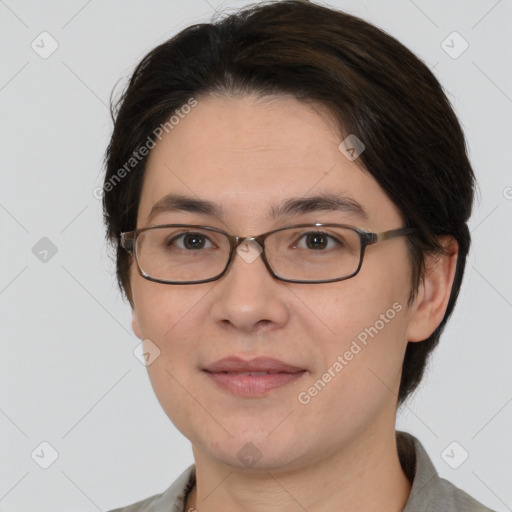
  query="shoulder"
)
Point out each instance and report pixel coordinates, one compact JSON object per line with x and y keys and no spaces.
{"x":148,"y":505}
{"x":430,"y":492}
{"x":171,"y":500}
{"x":447,"y":496}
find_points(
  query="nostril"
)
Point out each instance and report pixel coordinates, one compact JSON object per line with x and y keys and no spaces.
{"x":261,"y":326}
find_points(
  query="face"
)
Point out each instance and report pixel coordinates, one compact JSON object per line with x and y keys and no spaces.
{"x":247,"y":155}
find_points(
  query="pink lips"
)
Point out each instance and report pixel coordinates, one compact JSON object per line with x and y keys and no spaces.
{"x":252,"y":378}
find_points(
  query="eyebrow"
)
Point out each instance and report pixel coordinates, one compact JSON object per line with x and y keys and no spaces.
{"x":293,"y":206}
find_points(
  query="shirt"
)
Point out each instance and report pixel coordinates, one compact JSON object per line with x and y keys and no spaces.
{"x":429,"y":492}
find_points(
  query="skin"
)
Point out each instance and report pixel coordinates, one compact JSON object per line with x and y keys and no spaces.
{"x":338,"y":452}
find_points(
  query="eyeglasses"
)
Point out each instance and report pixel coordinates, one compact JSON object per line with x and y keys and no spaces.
{"x":303,"y":253}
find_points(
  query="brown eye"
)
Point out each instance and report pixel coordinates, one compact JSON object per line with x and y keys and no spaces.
{"x":189,"y":241}
{"x":317,"y":241}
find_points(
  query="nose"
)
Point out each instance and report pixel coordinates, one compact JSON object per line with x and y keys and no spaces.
{"x":248,"y":298}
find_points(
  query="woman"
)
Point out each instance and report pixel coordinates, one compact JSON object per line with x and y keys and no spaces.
{"x":280,"y":192}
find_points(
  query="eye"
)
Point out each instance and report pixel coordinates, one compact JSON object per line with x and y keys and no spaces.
{"x":318,"y":240}
{"x":190,"y":241}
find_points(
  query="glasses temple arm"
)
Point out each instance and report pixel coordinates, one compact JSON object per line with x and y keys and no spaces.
{"x":393,"y":233}
{"x":126,"y":240}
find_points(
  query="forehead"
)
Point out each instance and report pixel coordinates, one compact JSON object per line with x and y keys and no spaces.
{"x":248,"y":155}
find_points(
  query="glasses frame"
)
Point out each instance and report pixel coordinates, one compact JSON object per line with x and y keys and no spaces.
{"x":128,"y":242}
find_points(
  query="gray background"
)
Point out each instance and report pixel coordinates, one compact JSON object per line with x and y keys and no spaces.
{"x":68,"y":375}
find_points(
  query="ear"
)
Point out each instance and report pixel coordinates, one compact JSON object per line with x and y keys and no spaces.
{"x":136,"y":325}
{"x":434,"y":292}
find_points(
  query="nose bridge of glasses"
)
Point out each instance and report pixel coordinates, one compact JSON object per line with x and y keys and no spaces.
{"x":237,"y":240}
{"x":244,"y":244}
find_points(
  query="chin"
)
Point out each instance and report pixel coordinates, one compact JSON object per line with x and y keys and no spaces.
{"x":252,"y":452}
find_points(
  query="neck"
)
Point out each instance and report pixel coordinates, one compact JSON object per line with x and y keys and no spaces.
{"x":366,"y":476}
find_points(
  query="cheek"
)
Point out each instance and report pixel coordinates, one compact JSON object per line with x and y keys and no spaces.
{"x":361,"y":359}
{"x":167,"y":316}
{"x":344,"y":311}
{"x":158,"y":308}
{"x":174,"y":391}
{"x":360,"y":326}
{"x":170,"y":320}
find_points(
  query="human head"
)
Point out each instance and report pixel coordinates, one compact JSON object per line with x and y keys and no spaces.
{"x":373,"y":87}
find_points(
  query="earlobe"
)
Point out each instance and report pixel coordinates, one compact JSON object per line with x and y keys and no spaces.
{"x":135,"y":325}
{"x":434,"y":292}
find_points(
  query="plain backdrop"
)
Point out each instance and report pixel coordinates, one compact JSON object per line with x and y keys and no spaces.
{"x":68,"y":375}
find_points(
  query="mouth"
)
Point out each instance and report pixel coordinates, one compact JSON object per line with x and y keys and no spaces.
{"x":252,"y":373}
{"x":253,"y":378}
{"x":235,"y":364}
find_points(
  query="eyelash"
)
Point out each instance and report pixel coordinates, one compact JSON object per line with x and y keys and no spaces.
{"x":302,"y":237}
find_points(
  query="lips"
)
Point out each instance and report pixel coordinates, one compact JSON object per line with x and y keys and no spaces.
{"x":256,"y":366}
{"x":252,"y":379}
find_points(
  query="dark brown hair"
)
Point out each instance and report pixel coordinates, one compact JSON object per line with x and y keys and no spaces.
{"x":375,"y":88}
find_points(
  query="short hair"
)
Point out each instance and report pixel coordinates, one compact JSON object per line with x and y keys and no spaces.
{"x":375,"y":88}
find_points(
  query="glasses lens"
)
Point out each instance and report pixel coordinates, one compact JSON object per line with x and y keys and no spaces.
{"x":181,"y":253}
{"x":314,"y":253}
